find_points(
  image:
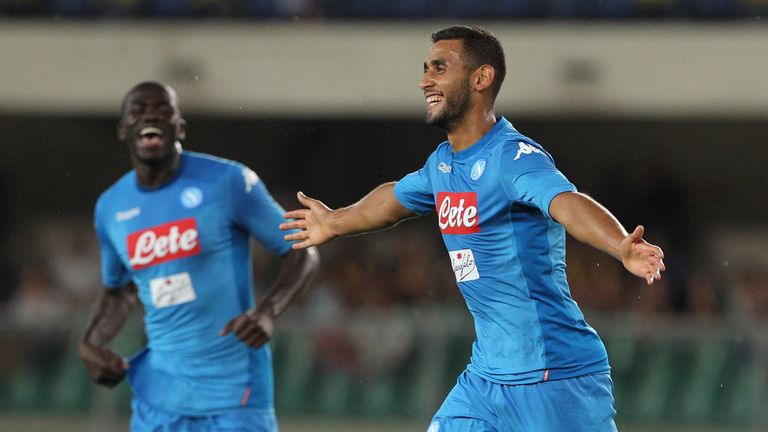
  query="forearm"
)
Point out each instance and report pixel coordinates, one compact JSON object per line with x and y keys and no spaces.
{"x":377,"y":210}
{"x":109,"y":315}
{"x":589,"y":222}
{"x":296,"y":272}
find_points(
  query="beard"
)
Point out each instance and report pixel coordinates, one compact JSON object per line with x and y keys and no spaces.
{"x":456,"y":107}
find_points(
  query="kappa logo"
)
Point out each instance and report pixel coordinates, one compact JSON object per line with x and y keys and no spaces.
{"x":444,"y":168}
{"x":526,"y":149}
{"x":457,"y":213}
{"x":162,"y":243}
{"x":251,"y":178}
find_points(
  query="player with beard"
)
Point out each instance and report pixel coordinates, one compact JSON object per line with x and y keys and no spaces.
{"x":175,"y":234}
{"x":503,"y":211}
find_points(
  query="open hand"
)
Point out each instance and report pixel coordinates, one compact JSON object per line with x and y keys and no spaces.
{"x":313,"y":222}
{"x":641,"y":258}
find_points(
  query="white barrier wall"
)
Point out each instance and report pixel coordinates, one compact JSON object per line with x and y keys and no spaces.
{"x":318,"y":70}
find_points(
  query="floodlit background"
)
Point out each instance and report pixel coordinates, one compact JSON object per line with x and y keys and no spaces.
{"x":657,"y":108}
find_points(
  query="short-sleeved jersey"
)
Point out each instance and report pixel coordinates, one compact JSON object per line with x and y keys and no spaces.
{"x":186,"y":247}
{"x":492,"y":201}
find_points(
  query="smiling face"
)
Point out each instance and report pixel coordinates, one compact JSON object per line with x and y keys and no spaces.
{"x":446,"y":85}
{"x":151,"y":124}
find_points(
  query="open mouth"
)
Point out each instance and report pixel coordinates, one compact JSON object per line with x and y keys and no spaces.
{"x":433,"y":100}
{"x":150,"y":131}
{"x":151,"y":136}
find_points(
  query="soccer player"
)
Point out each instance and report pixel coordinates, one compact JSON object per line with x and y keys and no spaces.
{"x":175,"y":234}
{"x":503,"y":211}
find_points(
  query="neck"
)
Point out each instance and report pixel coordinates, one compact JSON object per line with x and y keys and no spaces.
{"x":154,"y":175}
{"x":471,"y":129}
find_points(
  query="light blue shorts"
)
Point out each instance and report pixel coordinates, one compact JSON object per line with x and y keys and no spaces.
{"x":582,"y":404}
{"x":146,"y":418}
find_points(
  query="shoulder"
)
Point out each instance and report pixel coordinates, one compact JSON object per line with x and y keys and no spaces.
{"x":515,"y":146}
{"x":126,"y":183}
{"x":207,"y":161}
{"x":443,"y":149}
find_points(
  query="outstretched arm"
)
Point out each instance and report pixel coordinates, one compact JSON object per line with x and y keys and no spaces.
{"x":591,"y":223}
{"x":255,"y":327}
{"x":319,"y":224}
{"x":103,"y":365}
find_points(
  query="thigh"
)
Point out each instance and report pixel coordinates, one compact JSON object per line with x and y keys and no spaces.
{"x":582,"y":404}
{"x":465,"y":409}
{"x":245,"y":420}
{"x":145,"y":418}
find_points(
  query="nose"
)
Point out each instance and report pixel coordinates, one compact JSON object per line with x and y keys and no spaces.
{"x":426,"y":81}
{"x":151,"y":114}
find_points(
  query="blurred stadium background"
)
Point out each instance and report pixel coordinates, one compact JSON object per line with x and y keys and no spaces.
{"x":658,"y":108}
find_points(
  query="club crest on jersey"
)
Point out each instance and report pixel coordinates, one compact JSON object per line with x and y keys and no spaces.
{"x":444,"y":168}
{"x":478,"y":169}
{"x":163,"y":243}
{"x":191,"y":197}
{"x":457,"y":212}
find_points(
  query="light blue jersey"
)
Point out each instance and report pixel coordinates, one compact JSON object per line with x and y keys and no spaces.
{"x":508,"y":254}
{"x":186,"y":247}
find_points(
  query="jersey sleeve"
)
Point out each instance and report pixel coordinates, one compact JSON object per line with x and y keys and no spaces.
{"x":114,"y":274}
{"x":529,"y":176}
{"x":256,"y":211}
{"x":414,"y":191}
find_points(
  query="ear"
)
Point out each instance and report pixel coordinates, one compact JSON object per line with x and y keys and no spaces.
{"x":483,"y":77}
{"x":181,"y":129}
{"x":122,"y":134}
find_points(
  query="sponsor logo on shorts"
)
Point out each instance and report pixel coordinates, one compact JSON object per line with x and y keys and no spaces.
{"x":526,"y":149}
{"x":162,"y":243}
{"x":172,"y":290}
{"x":457,"y":212}
{"x":464,"y":265}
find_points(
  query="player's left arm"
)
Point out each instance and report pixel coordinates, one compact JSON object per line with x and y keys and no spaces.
{"x":256,"y":211}
{"x":255,"y":327}
{"x":591,"y":223}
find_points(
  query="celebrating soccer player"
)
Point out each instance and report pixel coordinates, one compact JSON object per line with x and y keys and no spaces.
{"x":503,"y":211}
{"x":174,"y":234}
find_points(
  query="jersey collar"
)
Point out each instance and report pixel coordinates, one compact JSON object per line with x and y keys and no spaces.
{"x":501,"y":123}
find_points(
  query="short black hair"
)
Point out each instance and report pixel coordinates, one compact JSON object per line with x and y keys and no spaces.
{"x":480,"y":47}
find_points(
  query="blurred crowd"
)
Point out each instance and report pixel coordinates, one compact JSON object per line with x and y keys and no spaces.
{"x":355,"y":308}
{"x":389,"y":9}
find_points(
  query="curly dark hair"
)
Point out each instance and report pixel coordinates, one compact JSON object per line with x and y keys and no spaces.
{"x":480,"y":47}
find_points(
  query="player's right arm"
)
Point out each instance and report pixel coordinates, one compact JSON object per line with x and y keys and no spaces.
{"x":318,"y":224}
{"x":103,"y":365}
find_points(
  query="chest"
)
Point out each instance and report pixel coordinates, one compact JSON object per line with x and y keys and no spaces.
{"x":469,"y":197}
{"x":156,"y":227}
